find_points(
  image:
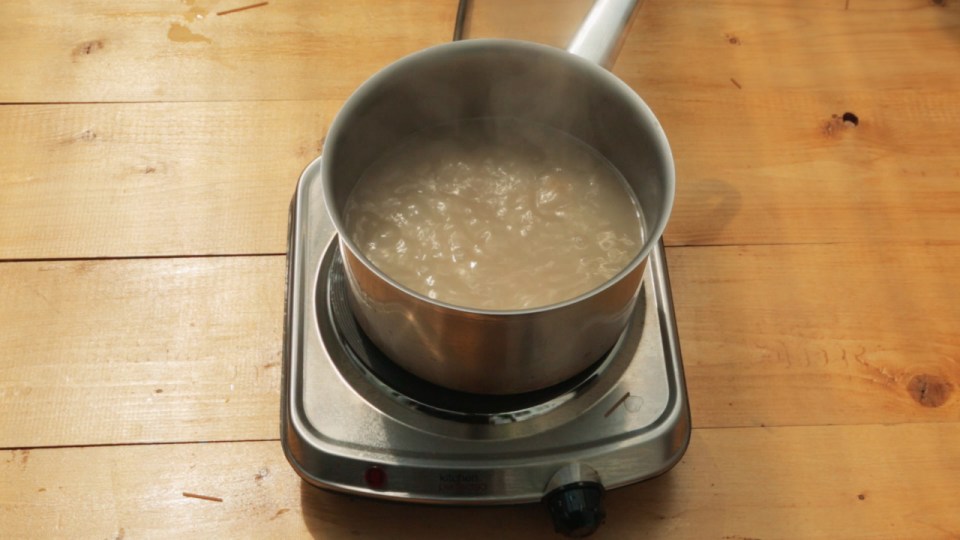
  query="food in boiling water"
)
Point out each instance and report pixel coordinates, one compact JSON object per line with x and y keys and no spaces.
{"x":495,"y":214}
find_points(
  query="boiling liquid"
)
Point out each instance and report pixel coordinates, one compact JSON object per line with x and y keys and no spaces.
{"x":495,"y":214}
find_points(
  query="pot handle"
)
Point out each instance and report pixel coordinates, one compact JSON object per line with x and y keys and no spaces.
{"x":603,"y":30}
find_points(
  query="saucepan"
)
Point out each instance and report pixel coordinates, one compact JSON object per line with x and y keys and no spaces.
{"x":488,"y":351}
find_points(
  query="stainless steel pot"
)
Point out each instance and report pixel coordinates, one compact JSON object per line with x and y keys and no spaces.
{"x":501,"y":352}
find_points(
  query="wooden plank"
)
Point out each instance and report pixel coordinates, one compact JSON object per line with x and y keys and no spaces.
{"x":755,"y":164}
{"x":153,"y":179}
{"x":696,"y":46}
{"x":171,"y":54}
{"x":183,"y":51}
{"x":800,"y":482}
{"x":825,"y":334}
{"x":298,"y":50}
{"x":100,"y":352}
{"x":775,"y":168}
{"x":832,"y":46}
{"x":556,"y":21}
{"x":752,"y":94}
{"x":140,"y":350}
{"x":113,"y":180}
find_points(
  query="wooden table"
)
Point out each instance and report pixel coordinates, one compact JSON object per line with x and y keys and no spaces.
{"x":149,"y":153}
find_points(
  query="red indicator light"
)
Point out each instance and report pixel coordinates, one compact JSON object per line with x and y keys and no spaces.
{"x":375,"y":477}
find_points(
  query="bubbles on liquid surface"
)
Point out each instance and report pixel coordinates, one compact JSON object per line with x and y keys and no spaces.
{"x":495,"y":214}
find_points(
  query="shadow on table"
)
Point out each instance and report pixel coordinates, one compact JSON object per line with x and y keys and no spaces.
{"x":640,"y":510}
{"x":704,"y":208}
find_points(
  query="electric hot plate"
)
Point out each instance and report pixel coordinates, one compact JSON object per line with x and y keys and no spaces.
{"x":355,"y":422}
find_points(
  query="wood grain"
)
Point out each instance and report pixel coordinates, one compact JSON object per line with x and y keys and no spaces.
{"x":142,"y":350}
{"x":153,"y":179}
{"x":298,"y":50}
{"x":782,"y":169}
{"x":112,"y":180}
{"x":826,"y":46}
{"x":144,"y":50}
{"x":758,"y":164}
{"x":819,"y":334}
{"x":99,"y":352}
{"x":801,"y":482}
{"x":814,"y":262}
{"x":752,"y":93}
{"x":694,"y":47}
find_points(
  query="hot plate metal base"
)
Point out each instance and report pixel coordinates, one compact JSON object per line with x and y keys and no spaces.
{"x":342,"y":428}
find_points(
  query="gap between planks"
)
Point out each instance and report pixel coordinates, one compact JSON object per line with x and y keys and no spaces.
{"x":148,"y":443}
{"x":277,"y":439}
{"x":142,"y":257}
{"x":106,"y":258}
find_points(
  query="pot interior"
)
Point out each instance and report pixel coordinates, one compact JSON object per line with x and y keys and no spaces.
{"x":502,"y":78}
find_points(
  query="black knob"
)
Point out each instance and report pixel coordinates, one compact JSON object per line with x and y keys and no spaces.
{"x":576,"y":509}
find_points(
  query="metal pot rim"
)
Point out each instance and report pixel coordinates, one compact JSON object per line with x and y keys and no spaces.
{"x":558,"y":55}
